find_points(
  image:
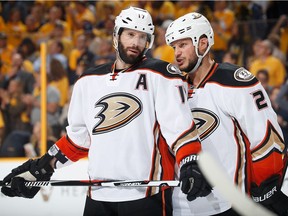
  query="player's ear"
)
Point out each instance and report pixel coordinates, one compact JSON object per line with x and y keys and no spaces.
{"x":203,"y":44}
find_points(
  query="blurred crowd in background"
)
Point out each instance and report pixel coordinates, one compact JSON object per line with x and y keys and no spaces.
{"x":78,"y":34}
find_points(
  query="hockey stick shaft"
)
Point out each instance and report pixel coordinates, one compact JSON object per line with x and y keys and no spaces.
{"x":120,"y":183}
{"x":216,"y":175}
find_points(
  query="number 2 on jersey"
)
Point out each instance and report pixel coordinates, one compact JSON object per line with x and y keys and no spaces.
{"x":259,"y":99}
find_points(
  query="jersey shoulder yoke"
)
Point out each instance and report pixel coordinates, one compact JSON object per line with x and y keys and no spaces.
{"x":232,"y":75}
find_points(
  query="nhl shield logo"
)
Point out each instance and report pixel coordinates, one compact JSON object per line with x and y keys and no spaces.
{"x":243,"y":75}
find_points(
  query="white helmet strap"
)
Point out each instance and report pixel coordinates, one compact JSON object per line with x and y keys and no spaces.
{"x":200,"y":57}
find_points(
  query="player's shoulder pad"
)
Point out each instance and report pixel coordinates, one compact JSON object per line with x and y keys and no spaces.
{"x":162,"y":67}
{"x":232,"y":75}
{"x":98,"y":70}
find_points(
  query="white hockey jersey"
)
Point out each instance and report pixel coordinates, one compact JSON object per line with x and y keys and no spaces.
{"x":238,"y":126}
{"x":131,"y":124}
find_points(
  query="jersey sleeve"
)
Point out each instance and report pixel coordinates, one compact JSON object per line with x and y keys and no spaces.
{"x":76,"y":143}
{"x":175,"y":118}
{"x":257,"y":132}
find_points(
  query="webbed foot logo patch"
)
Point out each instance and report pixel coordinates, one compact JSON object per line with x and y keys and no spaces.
{"x":118,"y":109}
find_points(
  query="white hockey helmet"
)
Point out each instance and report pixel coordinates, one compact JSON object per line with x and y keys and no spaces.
{"x":192,"y":25}
{"x":136,"y":19}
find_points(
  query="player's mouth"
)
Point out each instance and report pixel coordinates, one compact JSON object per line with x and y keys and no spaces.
{"x":133,"y":51}
{"x":180,"y":61}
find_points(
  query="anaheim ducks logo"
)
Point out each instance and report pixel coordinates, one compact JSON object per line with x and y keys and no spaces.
{"x":118,"y":109}
{"x":206,"y":122}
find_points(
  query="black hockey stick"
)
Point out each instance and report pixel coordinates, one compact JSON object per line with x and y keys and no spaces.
{"x":119,"y":183}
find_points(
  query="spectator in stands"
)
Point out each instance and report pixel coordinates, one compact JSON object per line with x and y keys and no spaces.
{"x":28,"y":50}
{"x":81,"y":49}
{"x":38,"y":11}
{"x":15,"y":28}
{"x":8,"y":6}
{"x":161,"y":10}
{"x":102,"y":49}
{"x":85,"y":61}
{"x":17,"y":71}
{"x":46,"y":30}
{"x":2,"y":24}
{"x":282,"y":99}
{"x":13,"y":144}
{"x":13,"y":107}
{"x":183,"y":7}
{"x":77,"y":12}
{"x":59,"y":35}
{"x":104,"y":10}
{"x":230,"y":57}
{"x":32,"y":27}
{"x":59,"y":79}
{"x":282,"y":102}
{"x":263,"y":76}
{"x":254,"y":52}
{"x":64,"y":113}
{"x":32,"y":148}
{"x":55,"y":50}
{"x":53,"y":104}
{"x":222,"y":22}
{"x":162,"y":50}
{"x":282,"y":114}
{"x":277,"y":52}
{"x":6,"y":52}
{"x":281,"y":29}
{"x":265,"y":60}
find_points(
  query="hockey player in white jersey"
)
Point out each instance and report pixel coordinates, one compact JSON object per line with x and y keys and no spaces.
{"x":131,"y":118}
{"x":236,"y":122}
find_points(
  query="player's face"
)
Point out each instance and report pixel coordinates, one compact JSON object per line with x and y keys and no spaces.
{"x":132,"y":45}
{"x":185,"y":55}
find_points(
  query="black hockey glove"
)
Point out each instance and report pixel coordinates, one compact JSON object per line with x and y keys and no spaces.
{"x":193,"y":183}
{"x":269,"y":194}
{"x":32,"y":170}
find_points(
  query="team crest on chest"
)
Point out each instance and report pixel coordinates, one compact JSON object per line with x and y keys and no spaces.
{"x":243,"y":75}
{"x":206,"y":122}
{"x":118,"y":109}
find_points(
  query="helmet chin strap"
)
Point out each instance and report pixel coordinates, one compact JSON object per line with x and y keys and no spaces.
{"x":200,"y":57}
{"x":115,"y":45}
{"x":197,"y":65}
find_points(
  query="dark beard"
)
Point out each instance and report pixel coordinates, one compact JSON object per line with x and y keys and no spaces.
{"x":126,"y":58}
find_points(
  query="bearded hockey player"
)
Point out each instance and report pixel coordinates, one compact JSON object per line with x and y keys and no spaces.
{"x":131,"y":118}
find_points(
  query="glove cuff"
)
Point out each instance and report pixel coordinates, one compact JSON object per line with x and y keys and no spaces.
{"x":191,"y":159}
{"x":268,"y":192}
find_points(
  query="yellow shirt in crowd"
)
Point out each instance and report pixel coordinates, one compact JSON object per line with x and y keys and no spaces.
{"x":275,"y":68}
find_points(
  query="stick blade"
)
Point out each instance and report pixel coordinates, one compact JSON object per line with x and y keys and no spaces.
{"x":217,"y":177}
